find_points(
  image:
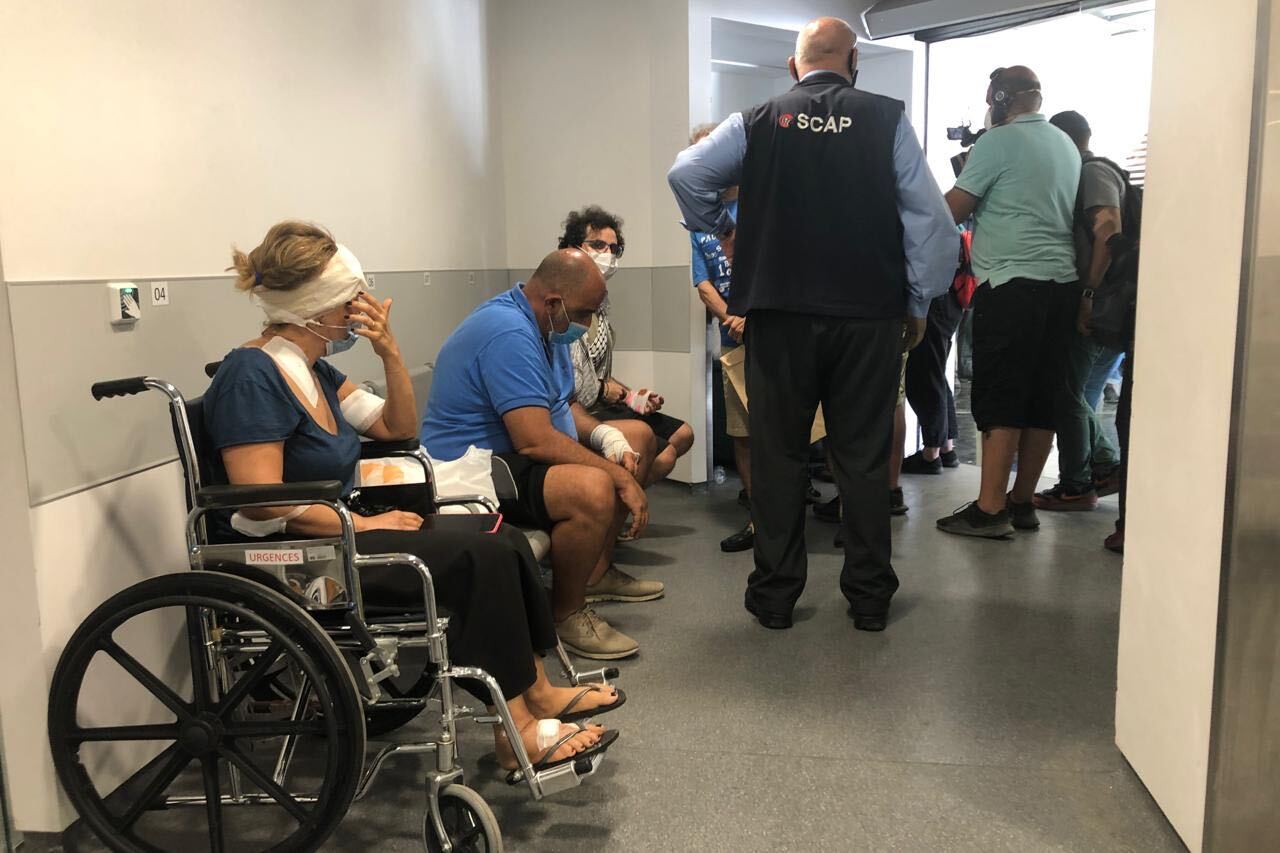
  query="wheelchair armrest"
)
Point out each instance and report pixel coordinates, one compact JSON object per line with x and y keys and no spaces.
{"x":233,"y":497}
{"x":379,"y":449}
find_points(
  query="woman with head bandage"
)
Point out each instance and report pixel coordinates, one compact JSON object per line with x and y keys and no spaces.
{"x":278,"y":412}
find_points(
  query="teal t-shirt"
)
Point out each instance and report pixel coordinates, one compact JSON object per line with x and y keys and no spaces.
{"x":1025,"y":176}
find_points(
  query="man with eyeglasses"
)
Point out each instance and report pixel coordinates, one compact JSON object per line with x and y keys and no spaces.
{"x":842,"y":239}
{"x":637,"y":413}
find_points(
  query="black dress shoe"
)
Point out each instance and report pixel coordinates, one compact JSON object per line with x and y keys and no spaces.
{"x":870,"y":621}
{"x":773,"y":621}
{"x":743,"y":540}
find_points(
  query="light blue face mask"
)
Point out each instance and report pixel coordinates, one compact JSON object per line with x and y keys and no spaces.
{"x":341,"y":345}
{"x":573,"y":332}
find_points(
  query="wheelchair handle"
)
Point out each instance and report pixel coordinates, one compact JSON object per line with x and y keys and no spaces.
{"x":119,"y":387}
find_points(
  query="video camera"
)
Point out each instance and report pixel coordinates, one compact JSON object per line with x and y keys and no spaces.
{"x":966,"y":137}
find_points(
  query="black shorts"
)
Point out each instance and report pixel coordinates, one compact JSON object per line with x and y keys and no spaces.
{"x":1021,"y":331}
{"x":529,"y":507}
{"x":663,"y":426}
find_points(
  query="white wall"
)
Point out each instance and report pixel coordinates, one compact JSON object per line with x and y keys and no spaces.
{"x":783,"y":14}
{"x":1193,"y":230}
{"x":144,"y":136}
{"x":141,"y":138}
{"x":591,"y":119}
{"x":733,"y":92}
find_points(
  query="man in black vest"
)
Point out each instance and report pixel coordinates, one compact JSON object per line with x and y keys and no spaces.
{"x":842,"y":240}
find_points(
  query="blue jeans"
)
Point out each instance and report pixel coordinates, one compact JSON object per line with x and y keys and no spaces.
{"x":1083,"y":445}
{"x":1096,"y":381}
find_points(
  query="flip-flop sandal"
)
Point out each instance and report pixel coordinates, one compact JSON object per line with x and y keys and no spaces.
{"x":568,"y":715}
{"x":601,"y":746}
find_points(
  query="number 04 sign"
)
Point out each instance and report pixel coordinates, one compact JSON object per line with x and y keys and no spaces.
{"x":159,"y":293}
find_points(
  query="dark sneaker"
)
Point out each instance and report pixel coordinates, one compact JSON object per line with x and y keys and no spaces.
{"x":1107,"y":482}
{"x":743,"y":540}
{"x":970,"y":520}
{"x":744,"y":500}
{"x":829,"y":511}
{"x":812,"y":495}
{"x":1024,"y":515}
{"x":950,"y":459}
{"x":1115,"y":542}
{"x":917,"y":464}
{"x":1064,"y":499}
{"x":897,"y":506}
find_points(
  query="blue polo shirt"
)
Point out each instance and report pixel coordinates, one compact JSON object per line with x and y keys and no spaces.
{"x":497,"y":360}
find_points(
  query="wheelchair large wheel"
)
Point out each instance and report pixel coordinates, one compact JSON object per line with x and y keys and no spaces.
{"x":198,"y":715}
{"x":468,"y":821}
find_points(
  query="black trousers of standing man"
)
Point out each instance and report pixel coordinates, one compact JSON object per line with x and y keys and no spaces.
{"x":928,"y":391}
{"x":851,"y":367}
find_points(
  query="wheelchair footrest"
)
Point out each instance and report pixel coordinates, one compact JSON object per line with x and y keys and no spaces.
{"x":562,"y":777}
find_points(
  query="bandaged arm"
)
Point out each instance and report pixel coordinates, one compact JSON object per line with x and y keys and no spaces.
{"x":611,"y":443}
{"x":262,"y":464}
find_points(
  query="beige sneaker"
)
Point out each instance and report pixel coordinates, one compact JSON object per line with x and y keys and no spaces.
{"x":617,"y":585}
{"x":587,"y":635}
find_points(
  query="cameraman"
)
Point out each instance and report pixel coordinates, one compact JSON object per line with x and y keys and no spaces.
{"x":1019,"y":184}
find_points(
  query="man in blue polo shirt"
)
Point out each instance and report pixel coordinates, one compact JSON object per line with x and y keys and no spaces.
{"x":1019,"y":183}
{"x":504,"y":381}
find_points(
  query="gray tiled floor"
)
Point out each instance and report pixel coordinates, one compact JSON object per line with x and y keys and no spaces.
{"x":980,"y":721}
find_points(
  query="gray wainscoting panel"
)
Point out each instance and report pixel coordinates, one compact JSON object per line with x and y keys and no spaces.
{"x":73,"y":442}
{"x":630,"y":308}
{"x":670,"y":309}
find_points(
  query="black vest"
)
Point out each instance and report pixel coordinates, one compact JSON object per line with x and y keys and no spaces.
{"x":818,"y":227}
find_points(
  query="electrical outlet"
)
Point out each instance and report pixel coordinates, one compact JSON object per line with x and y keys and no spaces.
{"x":426,"y":279}
{"x":372,"y":280}
{"x":471,"y":278}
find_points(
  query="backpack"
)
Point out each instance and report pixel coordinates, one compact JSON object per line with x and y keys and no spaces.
{"x":965,"y":282}
{"x":1114,"y":302}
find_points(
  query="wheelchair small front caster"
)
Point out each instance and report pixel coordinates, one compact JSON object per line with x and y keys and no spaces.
{"x":469,"y":824}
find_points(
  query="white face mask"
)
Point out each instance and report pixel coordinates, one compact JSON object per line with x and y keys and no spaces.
{"x":606,"y":262}
{"x":988,"y":122}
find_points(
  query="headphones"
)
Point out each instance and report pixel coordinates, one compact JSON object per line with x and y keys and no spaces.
{"x":1002,"y":96}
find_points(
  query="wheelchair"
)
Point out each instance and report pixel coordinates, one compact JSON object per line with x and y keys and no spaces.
{"x":289,"y":673}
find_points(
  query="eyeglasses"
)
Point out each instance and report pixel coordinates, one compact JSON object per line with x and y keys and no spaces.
{"x":601,"y":245}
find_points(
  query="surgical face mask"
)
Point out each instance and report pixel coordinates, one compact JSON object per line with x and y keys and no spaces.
{"x":341,"y":345}
{"x":573,"y":331}
{"x":989,"y":122}
{"x":606,"y":262}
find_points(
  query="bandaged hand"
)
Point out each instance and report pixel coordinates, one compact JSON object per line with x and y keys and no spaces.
{"x":612,"y":445}
{"x":643,"y":402}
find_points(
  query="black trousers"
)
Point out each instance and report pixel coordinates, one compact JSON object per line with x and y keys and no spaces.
{"x":928,"y":391}
{"x":499,"y":615}
{"x":851,"y":367}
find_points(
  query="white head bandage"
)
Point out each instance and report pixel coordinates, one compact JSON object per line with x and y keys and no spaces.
{"x":337,"y":284}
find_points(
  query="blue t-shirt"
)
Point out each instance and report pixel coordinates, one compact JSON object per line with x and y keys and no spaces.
{"x":249,"y":402}
{"x":710,"y":264}
{"x":497,"y":360}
